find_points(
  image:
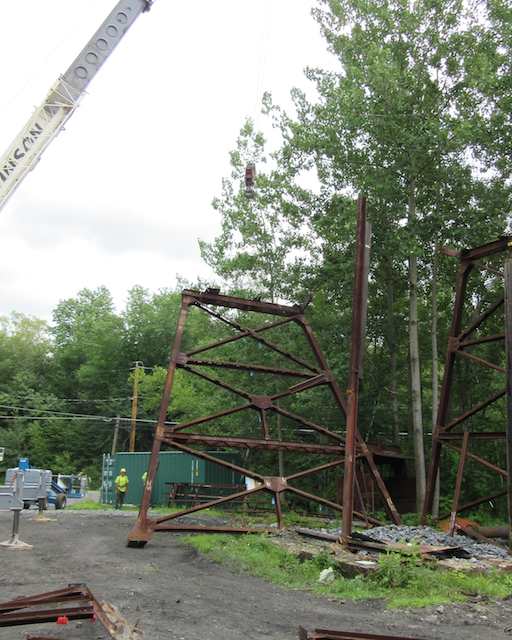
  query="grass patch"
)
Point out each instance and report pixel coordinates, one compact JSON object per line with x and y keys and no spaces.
{"x":91,"y":505}
{"x":401,"y":581}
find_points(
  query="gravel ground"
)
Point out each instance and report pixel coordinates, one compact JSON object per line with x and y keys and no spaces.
{"x":427,"y":535}
{"x":177,"y":594}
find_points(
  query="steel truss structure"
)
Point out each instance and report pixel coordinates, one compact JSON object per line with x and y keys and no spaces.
{"x":460,"y":432}
{"x":309,"y":376}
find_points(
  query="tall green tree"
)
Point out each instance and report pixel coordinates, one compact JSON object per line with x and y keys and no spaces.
{"x":387,"y":124}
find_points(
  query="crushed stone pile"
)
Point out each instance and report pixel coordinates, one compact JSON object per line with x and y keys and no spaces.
{"x":427,"y":535}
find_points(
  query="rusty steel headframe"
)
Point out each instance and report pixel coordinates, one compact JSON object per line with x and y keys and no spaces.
{"x":310,"y":376}
{"x":457,"y":432}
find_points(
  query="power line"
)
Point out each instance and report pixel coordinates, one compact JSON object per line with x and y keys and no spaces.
{"x":64,"y":415}
{"x":20,"y":395}
{"x":107,"y":423}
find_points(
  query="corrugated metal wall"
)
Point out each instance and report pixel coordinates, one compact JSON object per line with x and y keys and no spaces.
{"x":174,"y":466}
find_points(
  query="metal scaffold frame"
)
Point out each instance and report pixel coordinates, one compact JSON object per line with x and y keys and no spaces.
{"x":460,"y":341}
{"x":310,"y":376}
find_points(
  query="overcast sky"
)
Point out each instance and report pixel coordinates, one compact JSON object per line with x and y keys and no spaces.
{"x":123,"y":195}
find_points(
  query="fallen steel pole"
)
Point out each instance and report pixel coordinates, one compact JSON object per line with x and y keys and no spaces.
{"x":329,"y":634}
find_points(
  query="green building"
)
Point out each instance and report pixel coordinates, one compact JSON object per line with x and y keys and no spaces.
{"x":174,"y":466}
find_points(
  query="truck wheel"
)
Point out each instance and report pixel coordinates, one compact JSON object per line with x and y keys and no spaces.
{"x":60,"y":501}
{"x":26,"y":505}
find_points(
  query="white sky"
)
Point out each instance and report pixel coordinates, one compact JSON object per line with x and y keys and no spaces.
{"x":123,"y":195}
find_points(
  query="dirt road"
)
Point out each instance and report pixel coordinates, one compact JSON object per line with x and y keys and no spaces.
{"x":177,"y":594}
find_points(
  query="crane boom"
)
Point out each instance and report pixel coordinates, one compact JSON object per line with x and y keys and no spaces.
{"x":63,"y":99}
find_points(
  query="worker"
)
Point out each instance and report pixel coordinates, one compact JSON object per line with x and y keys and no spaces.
{"x":121,"y":488}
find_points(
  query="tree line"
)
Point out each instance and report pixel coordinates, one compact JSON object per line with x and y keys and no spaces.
{"x":415,"y":115}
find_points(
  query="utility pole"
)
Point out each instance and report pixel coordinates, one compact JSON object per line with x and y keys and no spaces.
{"x":135,"y":399}
{"x":116,"y":434}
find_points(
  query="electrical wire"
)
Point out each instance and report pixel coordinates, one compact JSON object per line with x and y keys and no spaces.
{"x":108,"y":422}
{"x":63,"y":415}
{"x":78,"y":400}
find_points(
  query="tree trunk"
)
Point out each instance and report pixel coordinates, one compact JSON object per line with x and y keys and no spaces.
{"x":414,"y":359}
{"x":394,"y":398}
{"x":435,"y":375}
{"x":392,"y":344}
{"x":393,"y":347}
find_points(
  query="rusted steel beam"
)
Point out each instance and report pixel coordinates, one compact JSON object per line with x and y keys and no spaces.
{"x":207,"y":505}
{"x":481,"y":361}
{"x":264,"y":424}
{"x":330,"y":634}
{"x":251,"y":333}
{"x":66,"y":594}
{"x":209,"y":418}
{"x":313,"y":382}
{"x":508,"y":348}
{"x":322,"y":363}
{"x":223,"y":463}
{"x":482,"y":340}
{"x":203,"y":528}
{"x":240,"y":366}
{"x":216,"y":381}
{"x":381,"y":485}
{"x":358,"y":321}
{"x":251,"y":443}
{"x":481,"y":318}
{"x":475,"y":503}
{"x":485,"y":463}
{"x":141,"y":532}
{"x":328,"y":503}
{"x":474,"y":435}
{"x":307,"y":423}
{"x":458,"y":482}
{"x":321,"y":467}
{"x":444,"y":398}
{"x":279,"y":510}
{"x":478,"y":407}
{"x":41,"y":616}
{"x":231,"y":302}
{"x":485,"y":250}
